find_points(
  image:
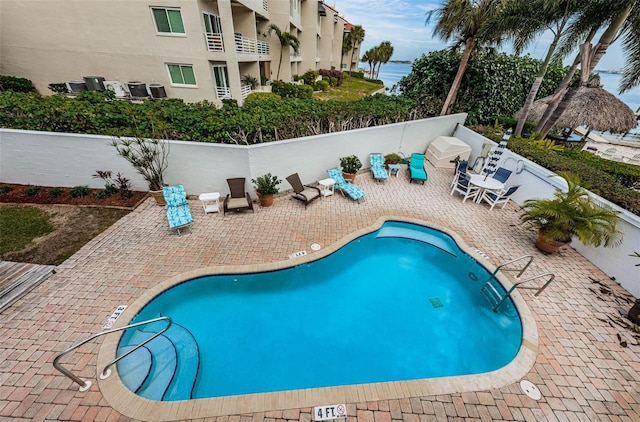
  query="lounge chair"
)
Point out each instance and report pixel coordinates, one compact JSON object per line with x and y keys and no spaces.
{"x":416,"y":168}
{"x":377,"y":167}
{"x":302,"y":192}
{"x":178,"y":211}
{"x":609,"y":153}
{"x":355,"y":192}
{"x":632,"y":160}
{"x":237,"y":199}
{"x":498,"y":197}
{"x":502,"y":174}
{"x":463,"y":187}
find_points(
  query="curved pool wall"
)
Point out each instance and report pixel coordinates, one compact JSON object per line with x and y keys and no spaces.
{"x":130,"y":404}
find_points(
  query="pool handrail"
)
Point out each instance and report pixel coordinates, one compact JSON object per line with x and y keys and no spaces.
{"x":85,"y":384}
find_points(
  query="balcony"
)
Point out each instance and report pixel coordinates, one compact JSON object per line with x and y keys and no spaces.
{"x":214,"y":41}
{"x":245,"y":90}
{"x":246,"y":45}
{"x":223,"y":92}
{"x":263,"y":47}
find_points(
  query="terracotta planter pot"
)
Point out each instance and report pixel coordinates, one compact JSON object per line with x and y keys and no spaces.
{"x":349,"y":177}
{"x":265,"y":200}
{"x":158,"y":196}
{"x":548,"y":245}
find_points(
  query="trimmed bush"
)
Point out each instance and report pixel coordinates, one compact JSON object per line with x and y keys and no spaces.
{"x":12,"y":83}
{"x":79,"y":191}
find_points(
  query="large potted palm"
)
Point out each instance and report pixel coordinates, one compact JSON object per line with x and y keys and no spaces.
{"x":571,"y":213}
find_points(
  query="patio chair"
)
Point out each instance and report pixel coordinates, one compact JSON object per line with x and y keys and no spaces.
{"x":416,"y":168}
{"x":461,"y":168}
{"x":355,"y":192}
{"x":237,"y":199}
{"x":498,"y":197}
{"x":304,"y":193}
{"x":502,"y":174}
{"x":377,"y":167}
{"x":178,"y":211}
{"x":463,"y":187}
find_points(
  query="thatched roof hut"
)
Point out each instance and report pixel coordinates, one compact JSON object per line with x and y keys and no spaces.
{"x":591,"y":106}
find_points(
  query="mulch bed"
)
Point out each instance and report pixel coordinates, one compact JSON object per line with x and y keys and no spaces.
{"x":30,"y":194}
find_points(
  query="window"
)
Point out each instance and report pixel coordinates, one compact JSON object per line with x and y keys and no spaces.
{"x":182,"y":74}
{"x":168,"y":21}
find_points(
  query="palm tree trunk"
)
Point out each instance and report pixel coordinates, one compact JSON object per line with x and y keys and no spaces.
{"x":607,"y":37}
{"x":535,"y":87}
{"x":279,"y":64}
{"x":453,"y":91}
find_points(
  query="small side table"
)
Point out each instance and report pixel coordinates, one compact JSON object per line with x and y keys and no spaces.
{"x":394,"y":169}
{"x":210,"y":202}
{"x":328,"y":187}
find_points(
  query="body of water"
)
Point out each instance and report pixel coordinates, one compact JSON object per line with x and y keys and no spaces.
{"x":391,"y":73}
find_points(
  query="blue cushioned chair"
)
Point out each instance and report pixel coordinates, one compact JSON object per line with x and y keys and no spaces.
{"x":178,"y":211}
{"x":502,"y":174}
{"x":500,"y":197}
{"x":463,"y":187}
{"x":416,"y":168}
{"x":355,"y":192}
{"x":377,"y":167}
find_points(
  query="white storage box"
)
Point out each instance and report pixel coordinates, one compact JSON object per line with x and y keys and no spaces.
{"x":444,"y":149}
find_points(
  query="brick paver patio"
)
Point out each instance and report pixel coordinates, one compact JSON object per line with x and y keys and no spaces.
{"x":583,"y":372}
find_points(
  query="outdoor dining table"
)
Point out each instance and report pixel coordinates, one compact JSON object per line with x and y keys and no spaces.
{"x":484,"y":183}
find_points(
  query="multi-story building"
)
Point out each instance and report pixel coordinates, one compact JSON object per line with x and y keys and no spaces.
{"x":194,"y":49}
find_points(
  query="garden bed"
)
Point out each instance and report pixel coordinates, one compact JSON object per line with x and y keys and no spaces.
{"x":30,"y":194}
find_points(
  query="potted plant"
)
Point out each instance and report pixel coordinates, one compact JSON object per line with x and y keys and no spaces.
{"x":392,"y":158}
{"x":350,"y":166}
{"x":571,"y":213}
{"x":266,"y":187}
{"x":149,"y":157}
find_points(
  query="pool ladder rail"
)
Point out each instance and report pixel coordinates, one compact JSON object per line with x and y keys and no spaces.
{"x":85,"y":384}
{"x":495,"y":296}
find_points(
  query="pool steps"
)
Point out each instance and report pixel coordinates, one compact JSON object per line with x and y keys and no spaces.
{"x":161,"y":373}
{"x":440,"y":243}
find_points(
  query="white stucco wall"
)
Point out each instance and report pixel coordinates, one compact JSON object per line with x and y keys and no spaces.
{"x":59,"y":159}
{"x":538,"y":182}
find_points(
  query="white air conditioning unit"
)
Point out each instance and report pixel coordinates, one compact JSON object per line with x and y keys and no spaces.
{"x":117,"y":87}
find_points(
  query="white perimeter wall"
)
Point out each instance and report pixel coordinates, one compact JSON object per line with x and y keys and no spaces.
{"x":538,"y":182}
{"x":61,"y":159}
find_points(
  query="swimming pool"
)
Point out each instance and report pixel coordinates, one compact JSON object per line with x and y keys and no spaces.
{"x":400,"y":303}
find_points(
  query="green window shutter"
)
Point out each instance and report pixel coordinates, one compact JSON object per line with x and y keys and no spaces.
{"x":162,"y":23}
{"x":188,"y":75}
{"x":176,"y":75}
{"x":175,"y":19}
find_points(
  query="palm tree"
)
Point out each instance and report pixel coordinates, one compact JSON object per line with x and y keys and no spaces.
{"x":525,"y":20}
{"x":347,"y":45}
{"x":464,"y":19}
{"x":367,"y":57}
{"x":357,"y":36}
{"x":385,"y":51}
{"x":286,"y":40}
{"x":622,"y":19}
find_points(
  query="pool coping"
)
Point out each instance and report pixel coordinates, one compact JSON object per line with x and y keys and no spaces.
{"x":128,"y":403}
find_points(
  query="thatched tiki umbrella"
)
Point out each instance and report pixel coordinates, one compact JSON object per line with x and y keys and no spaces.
{"x":589,"y":105}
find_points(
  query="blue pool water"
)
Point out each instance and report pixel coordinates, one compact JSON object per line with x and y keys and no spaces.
{"x":400,"y":303}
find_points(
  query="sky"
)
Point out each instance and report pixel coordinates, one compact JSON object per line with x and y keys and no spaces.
{"x":403,"y":23}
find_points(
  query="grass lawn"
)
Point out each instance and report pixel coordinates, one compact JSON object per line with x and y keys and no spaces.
{"x":20,"y":225}
{"x":351,"y":89}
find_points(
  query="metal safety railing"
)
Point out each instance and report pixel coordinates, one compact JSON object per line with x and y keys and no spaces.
{"x":85,"y":384}
{"x":490,"y":289}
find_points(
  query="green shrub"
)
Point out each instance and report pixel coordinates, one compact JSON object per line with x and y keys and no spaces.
{"x":33,"y":190}
{"x":11,"y":83}
{"x":359,"y":75}
{"x":321,"y":86}
{"x":58,"y":88}
{"x":375,"y":81}
{"x":304,"y":91}
{"x":79,"y":191}
{"x":310,"y":76}
{"x":55,"y":192}
{"x":5,"y":189}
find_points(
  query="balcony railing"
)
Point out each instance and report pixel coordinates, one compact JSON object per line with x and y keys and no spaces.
{"x":214,"y":41}
{"x":246,"y":45}
{"x":265,"y":5}
{"x":263,"y":47}
{"x":245,"y":90}
{"x":293,"y":53}
{"x":222,"y":92}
